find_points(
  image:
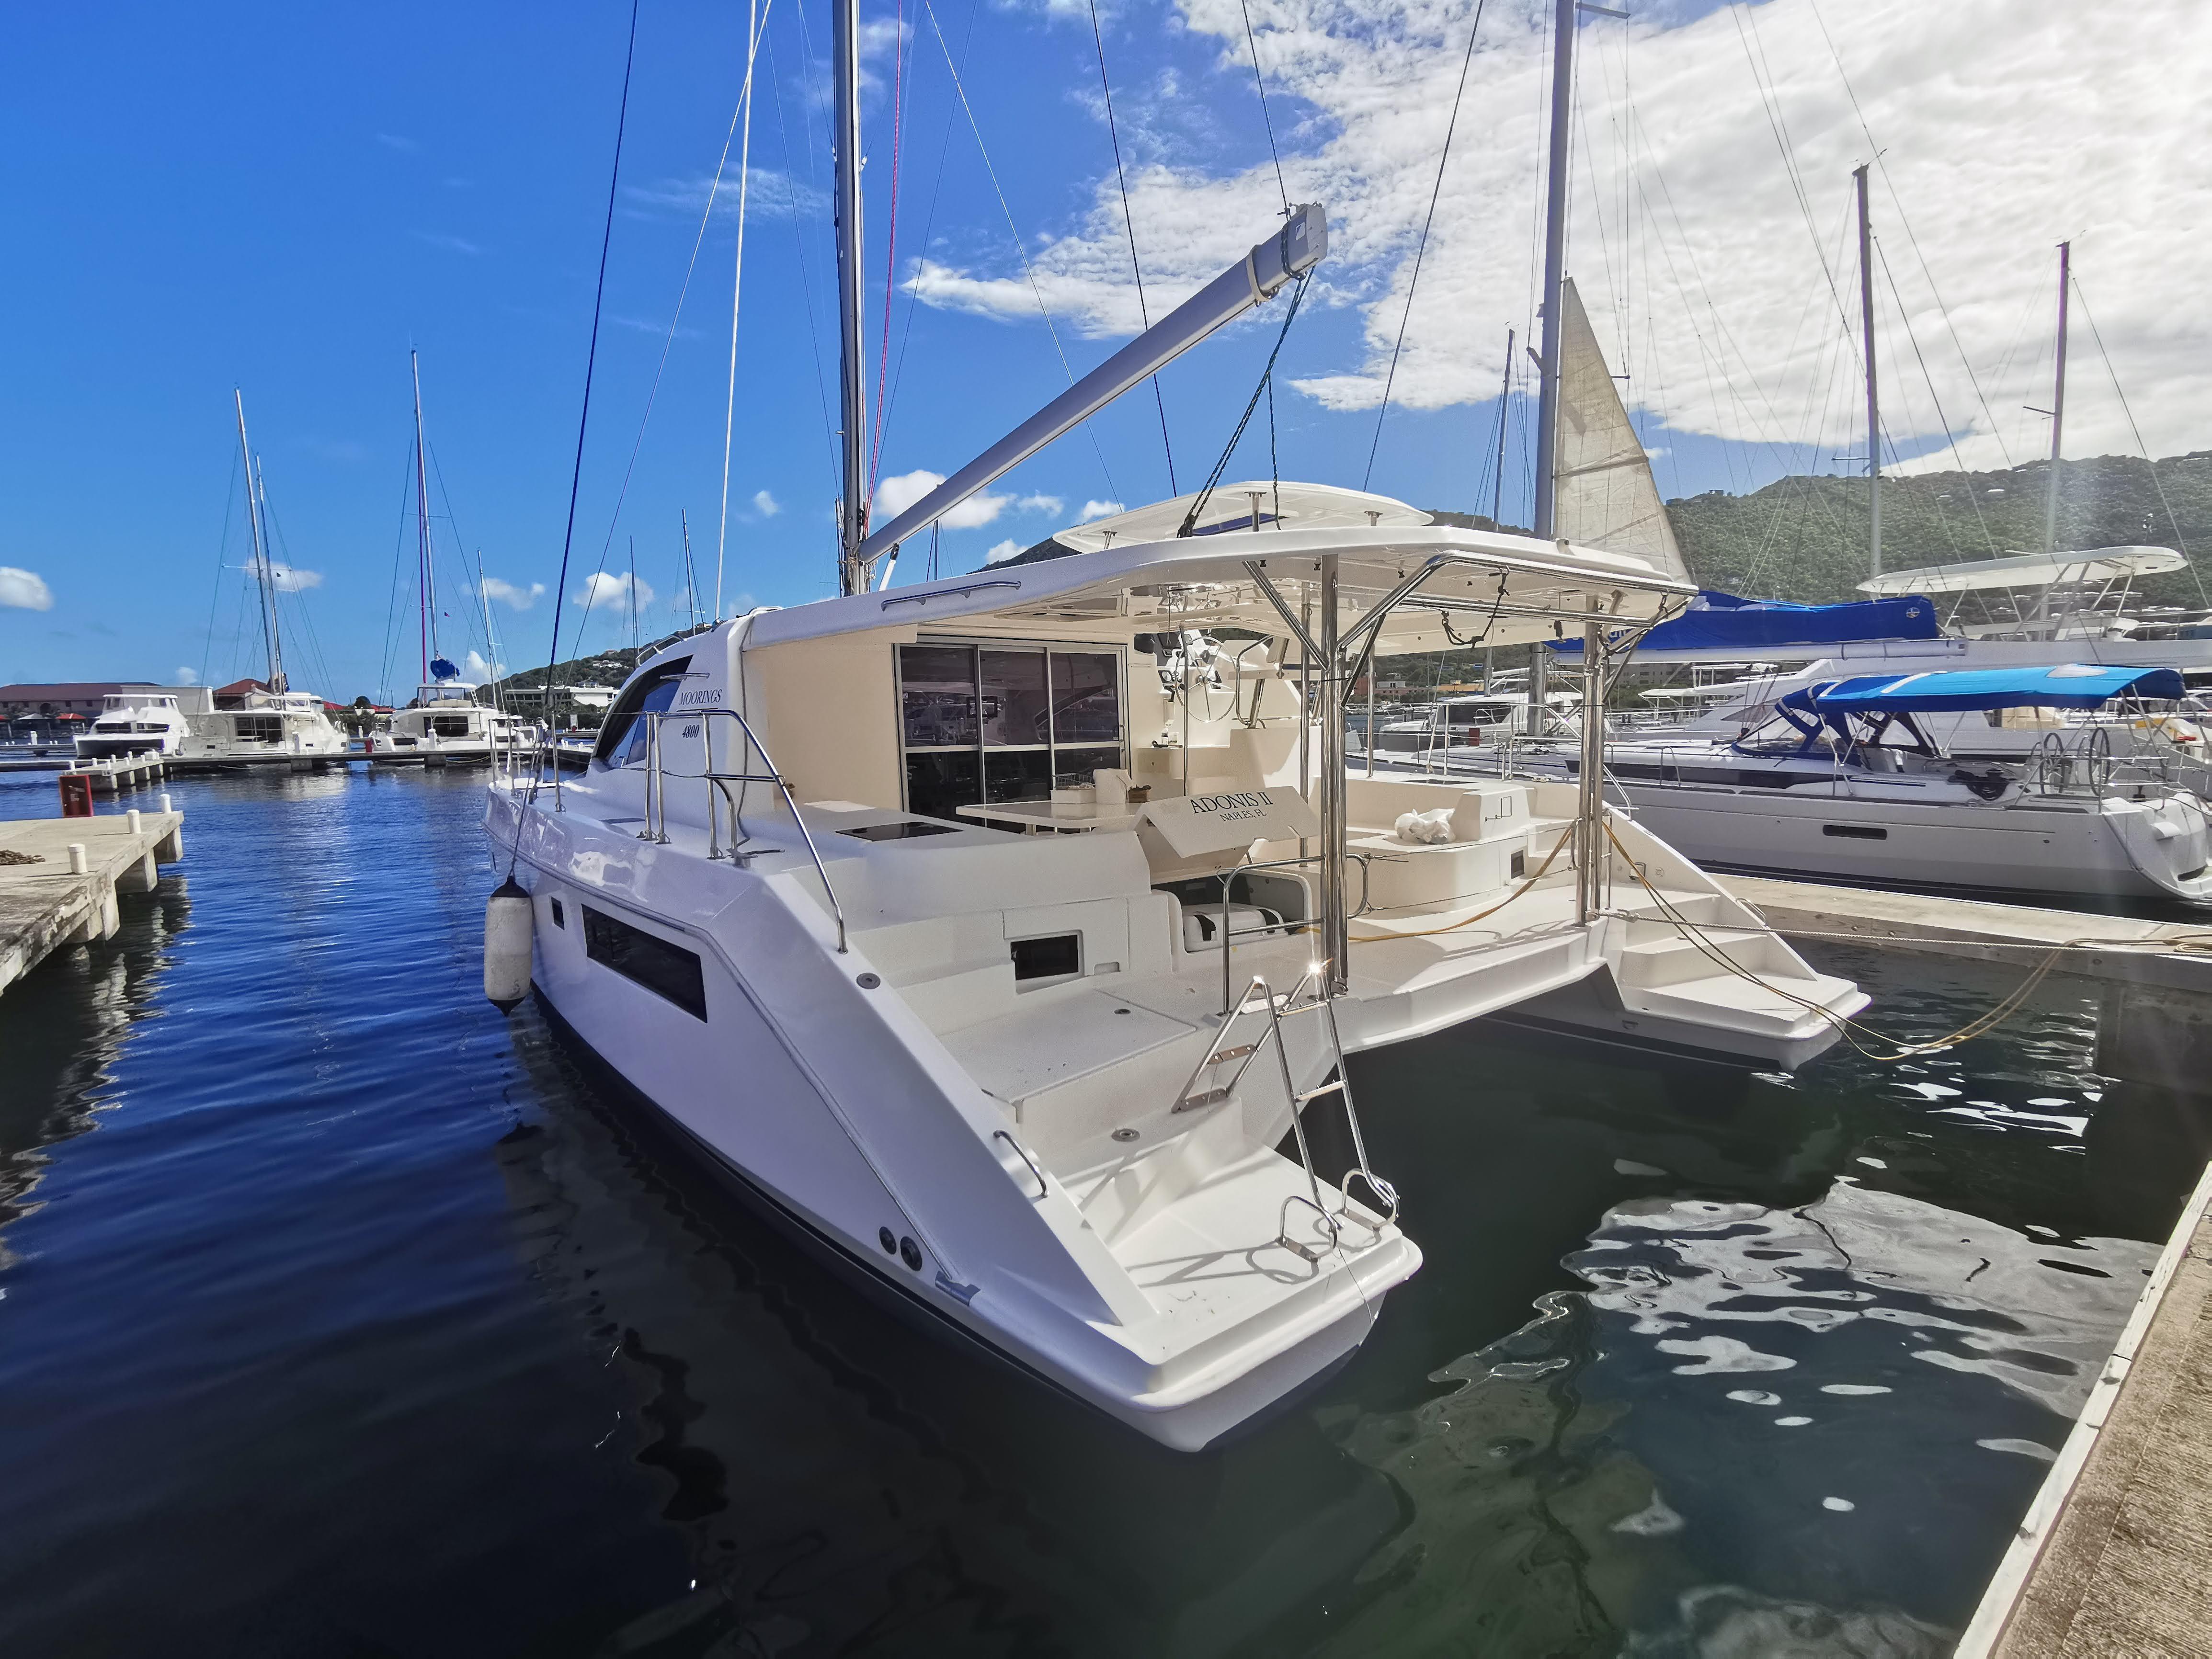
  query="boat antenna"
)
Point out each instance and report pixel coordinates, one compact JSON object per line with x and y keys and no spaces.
{"x":491,"y":644}
{"x":423,"y":568}
{"x":852,"y":394}
{"x":690,"y":574}
{"x":636,"y":648}
{"x":1873,"y":397}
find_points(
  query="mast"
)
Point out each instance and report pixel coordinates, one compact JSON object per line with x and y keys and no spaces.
{"x":424,"y":570}
{"x":259,"y":486}
{"x":1498,"y":483}
{"x":1555,"y":273}
{"x":1555,"y":259}
{"x":853,"y":507}
{"x":691,"y":576}
{"x":253,"y":537}
{"x":1874,"y":403}
{"x":2057,"y":405}
{"x":491,"y":645}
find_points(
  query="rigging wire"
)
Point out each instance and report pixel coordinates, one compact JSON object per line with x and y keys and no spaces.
{"x":1252,"y":43}
{"x":754,"y":22}
{"x":1267,"y":379}
{"x":1905,"y":220}
{"x":1020,"y":247}
{"x":798,"y":234}
{"x":590,"y":367}
{"x":1942,"y":419}
{"x":928,"y":223}
{"x":398,"y":553}
{"x":652,"y":396}
{"x":2174,"y":521}
{"x":891,"y":240}
{"x":1421,"y":251}
{"x":222,"y":552}
{"x":1129,"y":224}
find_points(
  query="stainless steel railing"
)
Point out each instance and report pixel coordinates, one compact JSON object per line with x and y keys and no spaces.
{"x":718,"y":784}
{"x":1229,"y":880}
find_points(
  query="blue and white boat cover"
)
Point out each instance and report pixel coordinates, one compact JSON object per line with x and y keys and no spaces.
{"x":1718,"y":621}
{"x":2069,"y":685}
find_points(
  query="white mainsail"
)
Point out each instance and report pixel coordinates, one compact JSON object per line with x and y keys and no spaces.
{"x":1604,"y":494}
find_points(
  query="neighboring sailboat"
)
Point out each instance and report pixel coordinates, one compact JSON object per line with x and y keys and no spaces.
{"x":444,"y":724}
{"x":1053,"y":1090}
{"x":271,"y":723}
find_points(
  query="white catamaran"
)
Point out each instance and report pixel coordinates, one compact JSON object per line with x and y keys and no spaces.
{"x":1056,"y":1089}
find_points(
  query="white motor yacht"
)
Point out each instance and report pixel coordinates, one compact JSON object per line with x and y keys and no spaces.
{"x":135,"y":723}
{"x":446,"y":726}
{"x":1052,"y":1086}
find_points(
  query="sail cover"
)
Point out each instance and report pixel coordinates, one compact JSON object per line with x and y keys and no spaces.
{"x":1719,"y":622}
{"x":1603,"y":493}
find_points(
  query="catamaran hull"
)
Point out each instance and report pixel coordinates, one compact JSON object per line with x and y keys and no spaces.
{"x":747,"y":1086}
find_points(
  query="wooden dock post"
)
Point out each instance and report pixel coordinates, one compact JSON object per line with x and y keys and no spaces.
{"x":59,"y":878}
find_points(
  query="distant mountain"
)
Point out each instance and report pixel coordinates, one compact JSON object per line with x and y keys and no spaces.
{"x":1805,"y":537}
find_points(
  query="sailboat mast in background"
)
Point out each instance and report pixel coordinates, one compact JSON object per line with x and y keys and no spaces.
{"x":1874,"y":400}
{"x":259,"y":540}
{"x":2058,"y":405}
{"x":424,"y":570}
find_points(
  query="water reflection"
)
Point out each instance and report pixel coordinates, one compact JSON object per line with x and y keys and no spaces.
{"x":372,"y":1322}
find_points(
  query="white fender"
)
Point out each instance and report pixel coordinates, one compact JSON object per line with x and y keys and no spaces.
{"x":507,"y":926}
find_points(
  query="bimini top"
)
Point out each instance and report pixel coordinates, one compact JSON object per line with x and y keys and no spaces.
{"x":2070,"y":685}
{"x":1406,"y":584}
{"x":2094,"y":564}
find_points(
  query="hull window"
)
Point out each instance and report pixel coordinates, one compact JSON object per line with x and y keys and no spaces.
{"x":666,"y":970}
{"x":1055,"y":956}
{"x":1855,"y":831}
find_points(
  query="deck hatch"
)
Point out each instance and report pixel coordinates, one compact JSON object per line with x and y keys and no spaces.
{"x":666,"y":970}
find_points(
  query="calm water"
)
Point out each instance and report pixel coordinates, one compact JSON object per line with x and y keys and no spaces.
{"x":340,"y":1316}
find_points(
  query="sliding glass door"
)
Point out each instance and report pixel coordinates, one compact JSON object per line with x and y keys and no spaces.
{"x":1006,"y":722}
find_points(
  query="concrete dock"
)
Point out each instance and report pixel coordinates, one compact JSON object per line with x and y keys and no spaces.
{"x":59,"y":878}
{"x":2115,"y":1554}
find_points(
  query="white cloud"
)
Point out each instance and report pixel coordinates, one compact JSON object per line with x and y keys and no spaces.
{"x":1000,"y":552}
{"x":476,"y":668}
{"x":289,"y":579}
{"x":513,"y":594}
{"x":394,"y":141}
{"x":612,"y":588}
{"x":24,"y":590}
{"x":769,"y":194}
{"x":450,"y":244}
{"x":765,"y":504}
{"x":1052,"y":504}
{"x":1100,"y":510}
{"x":894,"y":494}
{"x":1994,"y":121}
{"x":188,"y":676}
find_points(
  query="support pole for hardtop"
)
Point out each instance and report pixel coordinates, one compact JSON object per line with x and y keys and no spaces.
{"x":1590,"y":812}
{"x":1336,"y":937}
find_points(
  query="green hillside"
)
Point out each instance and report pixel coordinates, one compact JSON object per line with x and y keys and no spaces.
{"x":1805,"y":539}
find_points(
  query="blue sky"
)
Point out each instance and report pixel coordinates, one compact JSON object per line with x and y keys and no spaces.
{"x":285,"y":199}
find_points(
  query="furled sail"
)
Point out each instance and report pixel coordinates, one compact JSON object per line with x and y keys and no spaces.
{"x":1604,"y":493}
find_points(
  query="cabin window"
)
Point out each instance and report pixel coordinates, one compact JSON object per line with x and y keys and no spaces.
{"x":666,"y":970}
{"x":1006,"y":723}
{"x":449,"y":726}
{"x":621,"y":730}
{"x":260,"y":728}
